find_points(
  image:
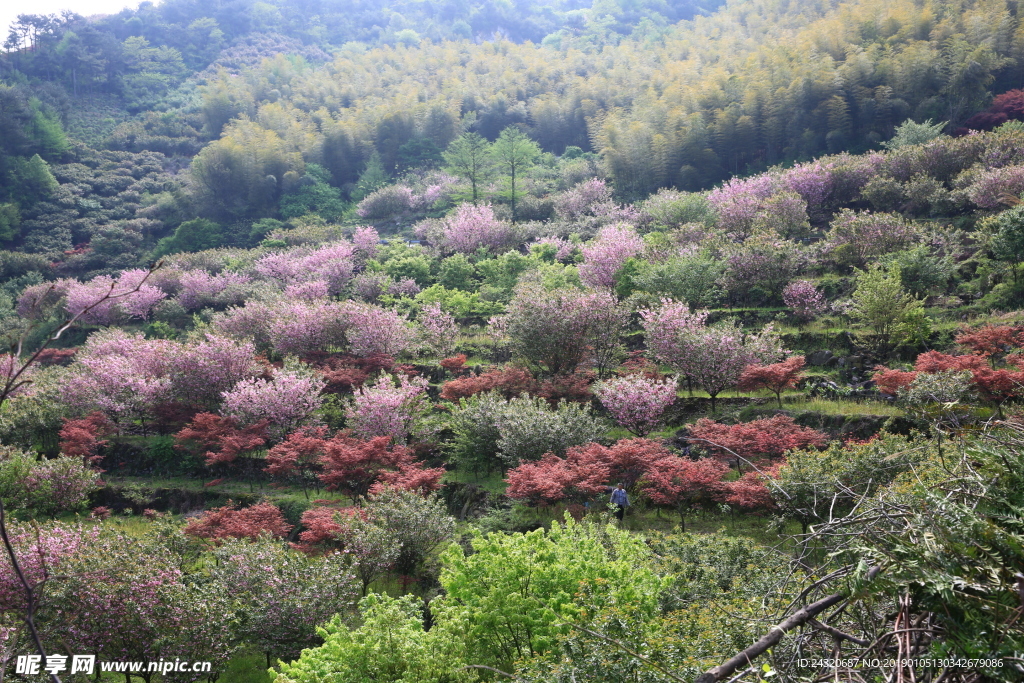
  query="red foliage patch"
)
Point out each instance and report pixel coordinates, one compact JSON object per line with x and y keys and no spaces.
{"x":301,"y":450}
{"x":326,"y":528}
{"x":776,"y":377}
{"x":56,"y":356}
{"x":991,"y":341}
{"x":509,"y":382}
{"x":234,"y":522}
{"x":455,"y":364}
{"x":586,"y":470}
{"x":222,"y":438}
{"x":357,"y":468}
{"x":582,"y":473}
{"x":765,"y":438}
{"x":993,"y":385}
{"x":82,"y":438}
{"x":891,"y":381}
{"x":637,"y":363}
{"x":574,"y":387}
{"x":749,"y":492}
{"x":682,"y":483}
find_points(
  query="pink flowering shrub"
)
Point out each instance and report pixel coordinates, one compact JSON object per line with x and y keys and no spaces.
{"x":605,"y":254}
{"x":636,"y":402}
{"x":125,"y":375}
{"x":332,"y":263}
{"x":440,"y":189}
{"x":804,"y":298}
{"x":388,"y":202}
{"x":664,"y":327}
{"x":198,"y":288}
{"x":738,"y":201}
{"x":470,"y":227}
{"x":307,"y":291}
{"x":385,"y":408}
{"x":201,"y":370}
{"x":128,"y":298}
{"x":303,"y":327}
{"x":119,"y":373}
{"x":366,"y":242}
{"x":38,"y":301}
{"x":41,"y":553}
{"x":60,"y":485}
{"x":857,"y":237}
{"x":713,"y":358}
{"x":760,"y":266}
{"x":988,"y":189}
{"x":439,"y":334}
{"x":585,"y":199}
{"x":287,"y":401}
{"x":373,"y":330}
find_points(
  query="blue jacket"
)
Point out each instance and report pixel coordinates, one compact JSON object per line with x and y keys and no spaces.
{"x":619,"y":497}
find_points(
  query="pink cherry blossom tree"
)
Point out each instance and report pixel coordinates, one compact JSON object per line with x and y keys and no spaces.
{"x":287,"y":401}
{"x":373,"y":330}
{"x":128,"y":296}
{"x":470,"y":227}
{"x":636,"y":402}
{"x":387,"y":408}
{"x":604,"y":256}
{"x":366,"y":242}
{"x":198,"y":288}
{"x":331,"y":263}
{"x":805,"y":299}
{"x":439,"y":334}
{"x":664,"y":327}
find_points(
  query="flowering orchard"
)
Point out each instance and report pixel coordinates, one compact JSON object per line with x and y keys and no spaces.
{"x":330,"y":403}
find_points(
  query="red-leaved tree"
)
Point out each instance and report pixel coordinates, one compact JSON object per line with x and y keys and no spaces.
{"x":580,"y":474}
{"x":509,"y":382}
{"x":83,"y":438}
{"x":890,"y":381}
{"x":325,"y":529}
{"x":237,"y":522}
{"x":683,"y":484}
{"x":356,"y":467}
{"x":765,"y":438}
{"x":223,"y":440}
{"x":629,"y":459}
{"x":992,"y":385}
{"x":776,"y":377}
{"x":992,"y":341}
{"x":749,"y":492}
{"x":298,"y":457}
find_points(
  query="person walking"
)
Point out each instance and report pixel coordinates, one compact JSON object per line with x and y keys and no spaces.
{"x":620,"y":499}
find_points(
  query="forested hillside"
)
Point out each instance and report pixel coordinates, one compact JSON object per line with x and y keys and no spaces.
{"x":441,"y":343}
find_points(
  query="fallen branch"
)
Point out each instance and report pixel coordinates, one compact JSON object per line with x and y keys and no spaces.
{"x":774,"y":635}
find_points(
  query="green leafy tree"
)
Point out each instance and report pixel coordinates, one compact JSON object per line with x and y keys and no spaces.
{"x":371,"y":179}
{"x":194,"y":235}
{"x":517,"y":593}
{"x":391,"y":646}
{"x":912,"y":133}
{"x":514,"y":153}
{"x":314,"y":194}
{"x":10,"y":222}
{"x":1008,"y":243}
{"x":469,"y":156}
{"x":888,"y":315}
